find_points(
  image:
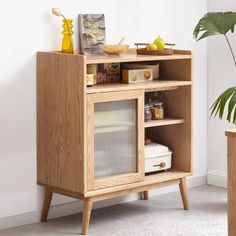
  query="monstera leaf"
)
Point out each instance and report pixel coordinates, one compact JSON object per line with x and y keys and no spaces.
{"x":217,"y":109}
{"x":215,"y":23}
{"x":220,"y":23}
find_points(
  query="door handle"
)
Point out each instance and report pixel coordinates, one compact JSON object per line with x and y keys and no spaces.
{"x":162,"y":165}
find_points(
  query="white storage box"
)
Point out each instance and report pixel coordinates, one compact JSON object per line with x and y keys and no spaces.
{"x":153,"y":66}
{"x":157,"y":157}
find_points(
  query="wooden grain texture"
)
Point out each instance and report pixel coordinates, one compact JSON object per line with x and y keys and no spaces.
{"x":144,"y":51}
{"x":129,"y":51}
{"x":152,"y":179}
{"x":60,"y":120}
{"x":105,"y":182}
{"x":145,"y":195}
{"x":184,"y":193}
{"x":230,"y":133}
{"x":46,"y":204}
{"x":65,"y":134}
{"x":64,"y":192}
{"x":135,"y":58}
{"x":176,"y":70}
{"x":231,"y":149}
{"x":165,"y":121}
{"x":136,"y":189}
{"x":155,"y":85}
{"x":88,"y":204}
{"x":182,"y":52}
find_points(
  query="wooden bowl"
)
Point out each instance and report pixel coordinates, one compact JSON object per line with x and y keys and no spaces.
{"x":114,"y":49}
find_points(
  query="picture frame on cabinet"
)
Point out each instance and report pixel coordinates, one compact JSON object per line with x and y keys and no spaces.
{"x":92,"y":33}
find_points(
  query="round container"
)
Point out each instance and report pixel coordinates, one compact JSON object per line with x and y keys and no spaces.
{"x":157,"y":111}
{"x":147,"y":113}
{"x":90,"y":80}
{"x":92,"y":69}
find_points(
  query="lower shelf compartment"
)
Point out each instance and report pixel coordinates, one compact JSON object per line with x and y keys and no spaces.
{"x":149,"y":179}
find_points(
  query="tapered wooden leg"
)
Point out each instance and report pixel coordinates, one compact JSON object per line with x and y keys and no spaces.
{"x":145,"y":195}
{"x":88,"y":203}
{"x":46,"y":204}
{"x":184,"y":193}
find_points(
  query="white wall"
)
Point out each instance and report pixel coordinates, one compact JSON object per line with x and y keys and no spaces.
{"x":221,"y":75}
{"x":27,"y":26}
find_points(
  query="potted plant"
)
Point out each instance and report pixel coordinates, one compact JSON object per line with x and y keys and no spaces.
{"x":220,"y":23}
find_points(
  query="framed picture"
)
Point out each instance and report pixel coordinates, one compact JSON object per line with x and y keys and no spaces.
{"x":91,"y":33}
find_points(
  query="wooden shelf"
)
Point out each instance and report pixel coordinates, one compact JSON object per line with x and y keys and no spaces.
{"x":166,"y":121}
{"x":147,"y":86}
{"x":150,"y":179}
{"x":131,"y":57}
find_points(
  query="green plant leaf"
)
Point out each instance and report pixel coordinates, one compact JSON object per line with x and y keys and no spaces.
{"x":215,"y":23}
{"x":231,"y":106}
{"x":234,"y":118}
{"x":227,"y":97}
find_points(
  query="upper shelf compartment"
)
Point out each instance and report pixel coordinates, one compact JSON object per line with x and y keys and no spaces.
{"x":131,"y":56}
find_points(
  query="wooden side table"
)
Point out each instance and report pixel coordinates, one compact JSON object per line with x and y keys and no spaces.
{"x":231,"y":169}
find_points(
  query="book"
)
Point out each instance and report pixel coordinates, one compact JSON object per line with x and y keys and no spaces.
{"x":91,"y":33}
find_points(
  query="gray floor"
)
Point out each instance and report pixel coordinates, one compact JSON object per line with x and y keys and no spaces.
{"x":160,"y":216}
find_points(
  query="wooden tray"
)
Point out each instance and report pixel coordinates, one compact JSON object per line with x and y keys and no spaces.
{"x":144,"y":51}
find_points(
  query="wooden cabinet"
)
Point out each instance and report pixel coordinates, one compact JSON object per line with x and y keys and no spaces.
{"x":90,"y":141}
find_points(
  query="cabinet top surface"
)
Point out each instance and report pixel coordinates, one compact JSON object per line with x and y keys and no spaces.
{"x":131,"y":56}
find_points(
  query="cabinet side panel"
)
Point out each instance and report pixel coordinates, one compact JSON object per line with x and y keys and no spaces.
{"x":60,"y":121}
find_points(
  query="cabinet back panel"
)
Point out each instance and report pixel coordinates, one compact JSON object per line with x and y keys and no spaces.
{"x":176,"y":69}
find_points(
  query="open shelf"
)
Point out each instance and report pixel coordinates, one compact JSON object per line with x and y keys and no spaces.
{"x":149,"y":179}
{"x":166,"y":121}
{"x":147,"y":86}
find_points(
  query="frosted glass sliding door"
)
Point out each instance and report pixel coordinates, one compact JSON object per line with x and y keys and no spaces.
{"x":115,"y":138}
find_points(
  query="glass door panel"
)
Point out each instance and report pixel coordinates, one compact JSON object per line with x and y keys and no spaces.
{"x":115,"y":138}
{"x":115,"y":150}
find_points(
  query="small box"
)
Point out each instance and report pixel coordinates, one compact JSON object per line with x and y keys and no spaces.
{"x":136,"y":76}
{"x":101,"y":74}
{"x":112,"y":72}
{"x":157,"y":157}
{"x":144,"y":65}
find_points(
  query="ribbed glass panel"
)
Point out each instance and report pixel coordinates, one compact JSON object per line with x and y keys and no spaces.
{"x":115,"y":138}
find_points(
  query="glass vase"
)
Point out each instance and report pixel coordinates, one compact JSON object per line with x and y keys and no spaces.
{"x":67,"y":41}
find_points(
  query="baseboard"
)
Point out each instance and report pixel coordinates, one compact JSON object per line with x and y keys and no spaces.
{"x":18,"y":220}
{"x":217,"y":178}
{"x":76,"y":206}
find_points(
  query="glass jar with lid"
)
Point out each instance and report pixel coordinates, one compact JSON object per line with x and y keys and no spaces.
{"x":147,"y":113}
{"x":157,"y":111}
